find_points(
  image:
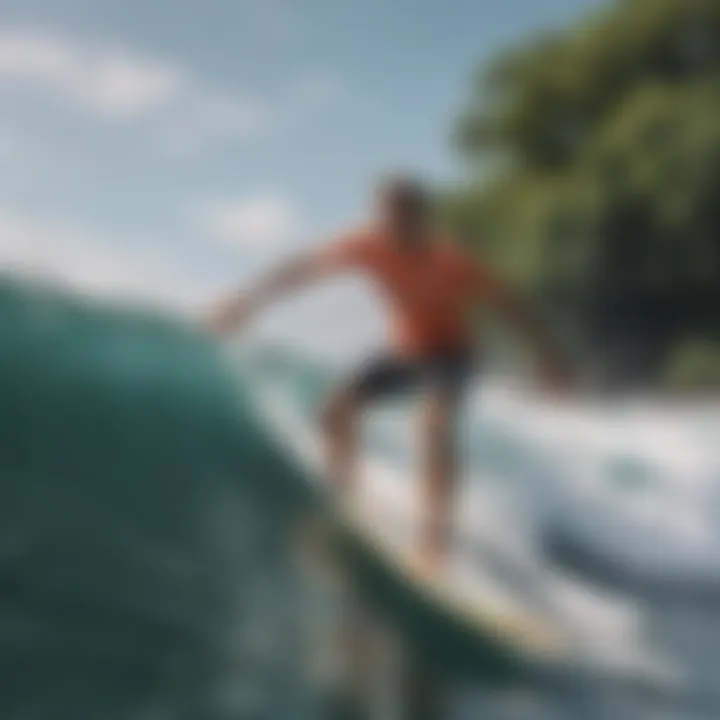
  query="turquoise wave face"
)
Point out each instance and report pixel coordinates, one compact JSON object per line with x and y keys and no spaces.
{"x":145,"y":519}
{"x":140,"y":556}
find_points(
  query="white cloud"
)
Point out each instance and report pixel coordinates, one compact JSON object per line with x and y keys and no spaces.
{"x":97,"y":266}
{"x":35,"y":57}
{"x":261,"y":221}
{"x":119,"y":85}
{"x":107,"y":81}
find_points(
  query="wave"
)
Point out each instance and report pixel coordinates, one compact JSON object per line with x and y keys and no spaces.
{"x":145,"y":516}
{"x":141,"y":558}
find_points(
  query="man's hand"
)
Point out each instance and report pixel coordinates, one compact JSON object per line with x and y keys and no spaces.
{"x":230,"y":315}
{"x":556,"y":378}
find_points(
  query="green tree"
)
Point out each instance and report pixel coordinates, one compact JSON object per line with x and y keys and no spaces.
{"x":596,"y":156}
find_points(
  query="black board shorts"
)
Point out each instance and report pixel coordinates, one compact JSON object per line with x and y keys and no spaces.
{"x":448,"y":372}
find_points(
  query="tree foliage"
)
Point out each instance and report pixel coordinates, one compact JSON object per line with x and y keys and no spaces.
{"x":596,"y":156}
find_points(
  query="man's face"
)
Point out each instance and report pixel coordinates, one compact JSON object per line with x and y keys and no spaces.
{"x":403,"y":213}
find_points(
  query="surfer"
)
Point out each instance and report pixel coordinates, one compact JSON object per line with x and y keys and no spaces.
{"x":431,"y":287}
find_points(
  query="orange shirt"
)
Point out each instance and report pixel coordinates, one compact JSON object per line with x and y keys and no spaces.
{"x":430,"y":291}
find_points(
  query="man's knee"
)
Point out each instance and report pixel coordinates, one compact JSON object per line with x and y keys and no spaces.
{"x":338,"y":413}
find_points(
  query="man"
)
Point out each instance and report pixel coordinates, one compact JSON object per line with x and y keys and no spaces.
{"x":431,"y":288}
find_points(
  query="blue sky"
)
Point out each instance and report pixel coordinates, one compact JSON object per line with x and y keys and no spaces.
{"x":164,"y":148}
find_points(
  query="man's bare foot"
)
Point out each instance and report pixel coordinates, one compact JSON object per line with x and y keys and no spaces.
{"x":428,"y":565}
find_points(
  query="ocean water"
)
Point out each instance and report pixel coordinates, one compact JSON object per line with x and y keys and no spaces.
{"x":147,"y":541}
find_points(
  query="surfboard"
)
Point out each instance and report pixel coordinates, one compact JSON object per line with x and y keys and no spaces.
{"x":459,"y":621}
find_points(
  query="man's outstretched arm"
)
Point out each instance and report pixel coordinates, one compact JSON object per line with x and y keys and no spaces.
{"x":351,"y":252}
{"x":236,"y":309}
{"x":520,"y":315}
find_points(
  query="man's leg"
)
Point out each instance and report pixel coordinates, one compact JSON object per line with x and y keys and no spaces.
{"x":378,"y":378}
{"x":439,"y":479}
{"x":339,"y":420}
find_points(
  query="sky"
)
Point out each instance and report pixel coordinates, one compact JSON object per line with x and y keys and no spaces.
{"x":165,"y":150}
